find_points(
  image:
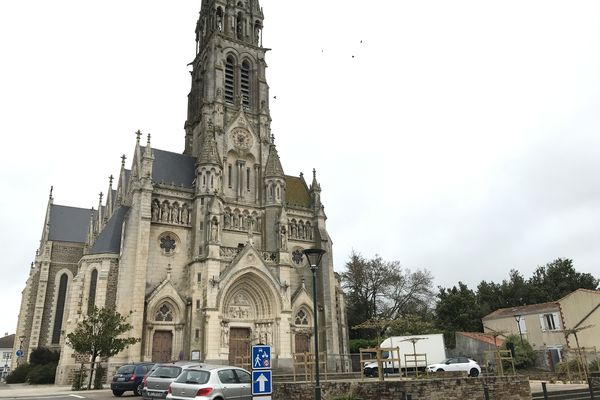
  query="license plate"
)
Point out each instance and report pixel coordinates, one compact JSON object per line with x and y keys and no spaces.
{"x":155,"y":394}
{"x":120,"y":379}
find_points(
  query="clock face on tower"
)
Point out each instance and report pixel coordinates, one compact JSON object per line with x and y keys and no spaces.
{"x":241,"y":138}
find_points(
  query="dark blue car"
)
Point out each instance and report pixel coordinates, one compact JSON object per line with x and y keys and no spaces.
{"x":129,"y":377}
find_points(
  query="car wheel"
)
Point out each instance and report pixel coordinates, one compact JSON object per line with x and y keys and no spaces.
{"x":439,"y":370}
{"x":118,"y":393}
{"x":138,"y":390}
{"x":474,"y":372}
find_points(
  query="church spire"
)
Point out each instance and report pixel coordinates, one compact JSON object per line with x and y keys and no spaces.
{"x":209,"y":153}
{"x":273,"y":168}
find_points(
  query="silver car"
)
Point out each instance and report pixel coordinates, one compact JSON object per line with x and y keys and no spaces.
{"x":157,"y":383}
{"x":212,"y":383}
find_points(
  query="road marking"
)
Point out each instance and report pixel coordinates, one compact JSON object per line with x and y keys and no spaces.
{"x":77,"y":396}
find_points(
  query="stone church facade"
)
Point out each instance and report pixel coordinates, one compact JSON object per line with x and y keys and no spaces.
{"x":203,"y":248}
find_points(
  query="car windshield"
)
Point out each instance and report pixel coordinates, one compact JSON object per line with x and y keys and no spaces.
{"x":126,"y":369}
{"x":194,"y":377}
{"x":166,"y":372}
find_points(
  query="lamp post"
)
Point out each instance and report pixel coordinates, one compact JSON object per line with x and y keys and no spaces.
{"x":518,"y":319}
{"x":314,"y":259}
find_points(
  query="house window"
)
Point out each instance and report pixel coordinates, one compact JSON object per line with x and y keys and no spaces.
{"x":197,"y":334}
{"x":550,"y":322}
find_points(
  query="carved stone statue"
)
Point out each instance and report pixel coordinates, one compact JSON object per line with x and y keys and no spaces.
{"x":185,"y":215}
{"x":155,"y":211}
{"x":214,"y":230}
{"x":283,"y":238}
{"x":164,"y":212}
{"x":175,"y":214}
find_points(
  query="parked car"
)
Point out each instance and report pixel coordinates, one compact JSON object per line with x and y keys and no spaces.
{"x":157,"y":383}
{"x":210,"y":382}
{"x":129,"y":377}
{"x":457,"y":364}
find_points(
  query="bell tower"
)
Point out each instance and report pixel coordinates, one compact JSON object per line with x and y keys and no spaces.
{"x":229,"y":91}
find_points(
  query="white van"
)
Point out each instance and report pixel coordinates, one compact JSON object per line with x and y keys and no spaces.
{"x":432,"y":346}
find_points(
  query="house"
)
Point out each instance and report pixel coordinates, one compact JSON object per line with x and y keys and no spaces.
{"x":6,"y":350}
{"x":555,"y":328}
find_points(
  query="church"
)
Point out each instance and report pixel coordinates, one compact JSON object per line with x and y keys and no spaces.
{"x":201,"y":249}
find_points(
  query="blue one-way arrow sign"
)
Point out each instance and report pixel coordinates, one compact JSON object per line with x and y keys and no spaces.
{"x":261,"y":382}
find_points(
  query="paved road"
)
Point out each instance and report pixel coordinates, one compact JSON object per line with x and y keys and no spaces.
{"x":53,"y":393}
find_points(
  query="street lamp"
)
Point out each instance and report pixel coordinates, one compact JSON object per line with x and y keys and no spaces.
{"x":314,"y":259}
{"x":518,"y":319}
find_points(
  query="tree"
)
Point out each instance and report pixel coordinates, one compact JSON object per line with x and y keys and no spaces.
{"x":457,"y":310}
{"x":382,"y":290}
{"x":98,"y":335}
{"x":557,"y":279}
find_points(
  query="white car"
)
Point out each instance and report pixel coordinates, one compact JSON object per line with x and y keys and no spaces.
{"x":457,"y":364}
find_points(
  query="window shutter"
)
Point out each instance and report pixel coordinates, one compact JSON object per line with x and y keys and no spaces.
{"x":542,"y":323}
{"x":557,"y":320}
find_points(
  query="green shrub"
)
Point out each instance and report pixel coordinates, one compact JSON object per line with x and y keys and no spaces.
{"x":19,"y":375}
{"x":595,"y":365}
{"x":99,"y":377}
{"x":356,"y":344}
{"x":79,"y":378}
{"x":571,"y":365}
{"x":41,"y":374}
{"x":524,"y":353}
{"x":43,"y":355}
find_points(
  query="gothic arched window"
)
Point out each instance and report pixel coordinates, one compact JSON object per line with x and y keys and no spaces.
{"x":92,"y":293}
{"x":164,"y":313}
{"x":245,"y":83}
{"x":301,"y":318}
{"x":220,"y":19}
{"x":229,"y":80}
{"x":60,"y":308}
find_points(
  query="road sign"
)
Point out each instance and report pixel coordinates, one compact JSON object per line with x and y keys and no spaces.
{"x":261,"y":357}
{"x":19,"y":353}
{"x":261,"y":382}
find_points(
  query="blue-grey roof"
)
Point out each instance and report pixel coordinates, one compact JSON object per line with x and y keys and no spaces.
{"x":69,"y":224}
{"x":173,"y":168}
{"x":109,"y":240}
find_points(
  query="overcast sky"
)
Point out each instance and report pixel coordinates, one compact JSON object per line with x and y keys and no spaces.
{"x":458,"y":136}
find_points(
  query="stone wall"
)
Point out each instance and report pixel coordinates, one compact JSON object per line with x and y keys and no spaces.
{"x":499,"y":388}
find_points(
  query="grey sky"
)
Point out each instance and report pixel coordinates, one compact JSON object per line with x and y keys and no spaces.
{"x":462,"y":137}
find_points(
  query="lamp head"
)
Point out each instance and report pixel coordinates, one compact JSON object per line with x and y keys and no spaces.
{"x":314,"y":257}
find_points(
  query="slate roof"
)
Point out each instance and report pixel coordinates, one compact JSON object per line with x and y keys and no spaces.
{"x":523,"y":310}
{"x":7,"y":342}
{"x":69,"y":224}
{"x":482,"y":337}
{"x":173,"y":168}
{"x":109,"y":240}
{"x":296,"y":192}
